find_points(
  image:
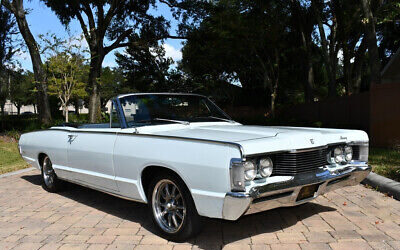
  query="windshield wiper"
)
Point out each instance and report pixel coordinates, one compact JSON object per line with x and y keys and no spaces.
{"x":168,"y":120}
{"x":162,"y":119}
{"x":217,"y":118}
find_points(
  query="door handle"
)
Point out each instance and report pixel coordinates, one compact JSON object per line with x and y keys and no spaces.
{"x":71,"y":138}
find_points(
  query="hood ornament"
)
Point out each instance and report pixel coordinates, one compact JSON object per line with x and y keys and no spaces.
{"x":312,"y":141}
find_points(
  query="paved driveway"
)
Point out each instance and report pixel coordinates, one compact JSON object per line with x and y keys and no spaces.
{"x":80,"y":218}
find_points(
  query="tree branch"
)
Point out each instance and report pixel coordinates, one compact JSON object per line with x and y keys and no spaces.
{"x":89,"y":14}
{"x":169,"y":4}
{"x":110,"y":12}
{"x":117,"y":43}
{"x":121,"y":45}
{"x":83,"y":26}
{"x":100,"y":16}
{"x":9,"y":6}
{"x":173,"y":37}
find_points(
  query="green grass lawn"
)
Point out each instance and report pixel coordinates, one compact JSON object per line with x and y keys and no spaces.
{"x":10,"y":160}
{"x":385,"y":162}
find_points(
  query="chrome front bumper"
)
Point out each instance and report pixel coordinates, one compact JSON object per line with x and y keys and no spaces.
{"x":285,"y":193}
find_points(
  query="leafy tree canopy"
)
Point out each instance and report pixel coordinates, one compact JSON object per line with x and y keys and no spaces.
{"x":7,"y":30}
{"x":22,"y":89}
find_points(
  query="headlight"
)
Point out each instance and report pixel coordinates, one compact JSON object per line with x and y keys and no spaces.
{"x":266,"y":167}
{"x":338,"y":155}
{"x":341,"y":155}
{"x":348,"y":153}
{"x":250,"y":170}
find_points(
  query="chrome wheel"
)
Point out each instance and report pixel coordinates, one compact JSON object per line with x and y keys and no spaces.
{"x":169,"y":207}
{"x":48,"y":172}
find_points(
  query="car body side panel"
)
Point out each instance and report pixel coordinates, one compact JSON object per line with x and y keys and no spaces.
{"x":203,"y":166}
{"x":90,"y":158}
{"x":51,"y":142}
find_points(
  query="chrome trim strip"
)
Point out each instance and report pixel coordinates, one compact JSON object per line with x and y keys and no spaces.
{"x":223,"y":112}
{"x":294,"y":151}
{"x":359,"y":143}
{"x":353,"y":143}
{"x":99,"y":189}
{"x":159,"y":93}
{"x":259,"y":138}
{"x":121,"y":115}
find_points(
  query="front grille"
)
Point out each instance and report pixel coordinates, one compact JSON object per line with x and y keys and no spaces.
{"x":289,"y":164}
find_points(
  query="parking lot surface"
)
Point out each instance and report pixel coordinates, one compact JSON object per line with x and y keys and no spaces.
{"x":80,"y":218}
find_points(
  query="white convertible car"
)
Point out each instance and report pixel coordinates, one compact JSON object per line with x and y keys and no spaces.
{"x":185,"y":158}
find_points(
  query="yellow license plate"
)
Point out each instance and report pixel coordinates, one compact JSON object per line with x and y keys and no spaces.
{"x":307,"y":192}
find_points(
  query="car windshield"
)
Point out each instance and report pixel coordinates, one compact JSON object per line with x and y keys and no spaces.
{"x":152,"y":109}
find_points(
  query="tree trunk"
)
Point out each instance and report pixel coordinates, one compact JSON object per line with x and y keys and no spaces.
{"x":374,"y":61}
{"x":18,"y":110}
{"x":3,"y":122}
{"x":274,"y":91}
{"x":3,"y":113}
{"x":357,"y":66}
{"x":309,"y":84}
{"x":347,"y":71}
{"x":326,"y":57}
{"x":305,"y":40}
{"x":65,"y":108}
{"x":273,"y":97}
{"x":2,"y":117}
{"x":94,"y":99}
{"x":43,"y":107}
{"x":76,"y":105}
{"x":309,"y":93}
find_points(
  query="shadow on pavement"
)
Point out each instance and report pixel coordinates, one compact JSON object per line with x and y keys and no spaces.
{"x":215,"y":232}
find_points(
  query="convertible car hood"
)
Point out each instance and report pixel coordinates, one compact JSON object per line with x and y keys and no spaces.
{"x":262,"y":139}
{"x":225,"y":133}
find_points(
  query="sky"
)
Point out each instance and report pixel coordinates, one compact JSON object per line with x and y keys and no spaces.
{"x":42,"y":20}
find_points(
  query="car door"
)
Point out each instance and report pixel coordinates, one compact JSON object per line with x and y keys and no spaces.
{"x":90,"y":156}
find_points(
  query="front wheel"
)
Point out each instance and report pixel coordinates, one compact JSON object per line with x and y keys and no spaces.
{"x":173,"y":209}
{"x":50,"y":179}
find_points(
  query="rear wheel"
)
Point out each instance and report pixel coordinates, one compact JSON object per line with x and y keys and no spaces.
{"x":172,"y":207}
{"x":50,"y":179}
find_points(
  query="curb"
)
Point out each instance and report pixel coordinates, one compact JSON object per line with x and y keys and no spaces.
{"x":383,"y":184}
{"x":17,"y":172}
